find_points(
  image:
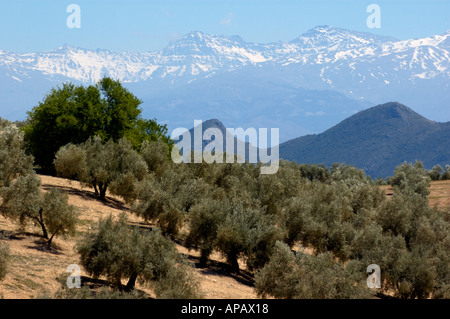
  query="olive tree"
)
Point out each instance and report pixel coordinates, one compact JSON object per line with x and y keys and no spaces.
{"x":446,"y":173}
{"x":119,"y":251}
{"x":205,"y":219}
{"x":13,"y":159}
{"x":166,"y":200}
{"x":411,"y":178}
{"x":435,"y":172}
{"x":250,"y":233}
{"x":302,"y":276}
{"x":24,"y":202}
{"x":157,"y":155}
{"x":102,"y":165}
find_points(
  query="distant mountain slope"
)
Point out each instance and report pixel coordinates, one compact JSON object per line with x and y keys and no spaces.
{"x":376,"y":140}
{"x":253,"y":98}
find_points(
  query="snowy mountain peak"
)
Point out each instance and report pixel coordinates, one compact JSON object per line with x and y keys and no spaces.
{"x":67,"y":48}
{"x":333,"y":38}
{"x":198,"y":55}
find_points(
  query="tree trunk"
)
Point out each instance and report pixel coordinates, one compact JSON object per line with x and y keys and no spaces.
{"x":95,"y":188}
{"x":40,"y":221}
{"x":203,"y":259}
{"x":49,"y":242}
{"x":131,"y":282}
{"x":103,"y":190}
{"x":234,"y":263}
{"x":44,"y":230}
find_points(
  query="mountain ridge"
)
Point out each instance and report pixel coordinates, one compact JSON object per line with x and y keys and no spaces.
{"x":261,"y":50}
{"x":375,"y":140}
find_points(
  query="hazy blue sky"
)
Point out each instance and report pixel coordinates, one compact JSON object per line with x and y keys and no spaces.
{"x":144,"y":25}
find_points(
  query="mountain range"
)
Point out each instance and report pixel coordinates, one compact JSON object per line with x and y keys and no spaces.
{"x":303,"y":86}
{"x":376,"y":140}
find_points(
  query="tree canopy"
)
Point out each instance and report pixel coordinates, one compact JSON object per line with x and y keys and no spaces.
{"x":73,"y":113}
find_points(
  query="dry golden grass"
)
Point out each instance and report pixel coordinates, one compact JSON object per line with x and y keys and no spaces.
{"x":439,"y":193}
{"x":34,"y":269}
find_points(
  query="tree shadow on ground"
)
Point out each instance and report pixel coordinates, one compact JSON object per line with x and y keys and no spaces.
{"x":10,"y":235}
{"x":96,"y":285}
{"x":41,"y":244}
{"x":141,"y":225}
{"x":88,"y":195}
{"x":221,"y":269}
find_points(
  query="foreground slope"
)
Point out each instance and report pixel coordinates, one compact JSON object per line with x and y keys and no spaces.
{"x":35,"y":271}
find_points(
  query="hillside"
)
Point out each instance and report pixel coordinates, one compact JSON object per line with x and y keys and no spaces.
{"x":34,"y":269}
{"x":376,"y":140}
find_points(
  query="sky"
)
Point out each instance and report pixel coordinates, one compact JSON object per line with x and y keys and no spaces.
{"x":147,"y":25}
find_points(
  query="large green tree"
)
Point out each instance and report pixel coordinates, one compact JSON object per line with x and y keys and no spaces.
{"x":72,"y":114}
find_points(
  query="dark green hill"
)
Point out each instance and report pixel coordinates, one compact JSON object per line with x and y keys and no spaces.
{"x":376,"y":140}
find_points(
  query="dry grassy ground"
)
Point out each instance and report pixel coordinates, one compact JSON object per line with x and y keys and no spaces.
{"x":34,"y":269}
{"x":439,"y":194}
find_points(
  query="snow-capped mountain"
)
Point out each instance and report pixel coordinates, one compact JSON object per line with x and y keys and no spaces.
{"x":197,"y":55}
{"x":365,"y":68}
